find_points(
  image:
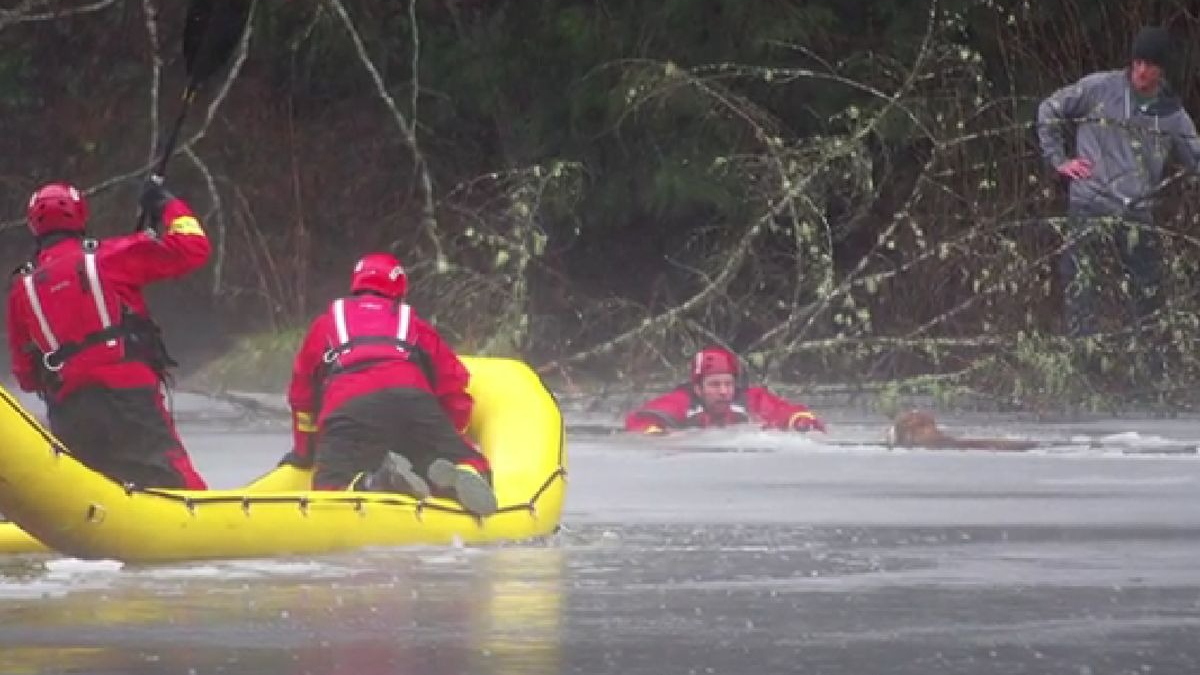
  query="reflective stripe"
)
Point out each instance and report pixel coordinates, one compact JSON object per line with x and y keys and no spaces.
{"x":801,"y":415}
{"x":343,"y":335}
{"x":402,"y":329}
{"x":36,"y":305}
{"x":344,"y":341}
{"x":733,"y":408}
{"x":93,"y":274}
{"x":304,"y":422}
{"x":697,"y":414}
{"x":339,"y":322}
{"x":185,"y":225}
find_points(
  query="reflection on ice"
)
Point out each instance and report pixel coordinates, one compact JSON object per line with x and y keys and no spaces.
{"x":498,"y":610}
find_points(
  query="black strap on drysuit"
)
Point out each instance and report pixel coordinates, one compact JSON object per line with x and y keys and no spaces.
{"x":143,"y":342}
{"x":332,"y":366}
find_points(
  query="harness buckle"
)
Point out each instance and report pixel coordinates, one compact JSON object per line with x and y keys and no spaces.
{"x":51,"y":363}
{"x":330,"y":356}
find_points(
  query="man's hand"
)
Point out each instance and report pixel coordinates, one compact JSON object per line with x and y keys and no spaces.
{"x":1075,"y":169}
{"x":154,"y":199}
{"x":300,"y":460}
{"x":805,"y":421}
{"x":304,"y":432}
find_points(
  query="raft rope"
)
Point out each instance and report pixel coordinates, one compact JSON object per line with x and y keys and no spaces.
{"x":303,"y":502}
{"x":358,"y":501}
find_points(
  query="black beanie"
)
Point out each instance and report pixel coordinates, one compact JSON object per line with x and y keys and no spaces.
{"x":1153,"y":45}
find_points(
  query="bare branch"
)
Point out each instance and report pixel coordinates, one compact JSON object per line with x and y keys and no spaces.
{"x":407,"y":126}
{"x":218,"y":218}
{"x":19,"y":14}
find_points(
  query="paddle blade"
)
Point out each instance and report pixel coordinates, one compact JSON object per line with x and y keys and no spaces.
{"x":212,"y":31}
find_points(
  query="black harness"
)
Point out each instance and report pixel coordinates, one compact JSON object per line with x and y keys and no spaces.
{"x":142,"y":337}
{"x":332,"y":366}
{"x":143,"y":343}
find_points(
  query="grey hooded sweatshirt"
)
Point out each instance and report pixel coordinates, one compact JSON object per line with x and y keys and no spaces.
{"x":1127,"y":144}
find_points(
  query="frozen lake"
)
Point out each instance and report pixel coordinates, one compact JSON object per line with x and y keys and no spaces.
{"x":727,"y":552}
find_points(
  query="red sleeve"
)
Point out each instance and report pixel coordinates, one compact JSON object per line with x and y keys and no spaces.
{"x":775,"y":412}
{"x":144,"y":258}
{"x":660,"y":414}
{"x":451,"y":375}
{"x":24,"y":367}
{"x":301,"y":391}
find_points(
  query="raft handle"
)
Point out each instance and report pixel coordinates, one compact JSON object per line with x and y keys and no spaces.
{"x":95,"y":514}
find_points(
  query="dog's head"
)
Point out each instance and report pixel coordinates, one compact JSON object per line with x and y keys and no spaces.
{"x":915,"y":427}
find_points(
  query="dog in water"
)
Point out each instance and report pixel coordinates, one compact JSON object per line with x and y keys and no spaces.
{"x":919,"y":429}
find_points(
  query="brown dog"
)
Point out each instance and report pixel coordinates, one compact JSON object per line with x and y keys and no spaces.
{"x":919,"y":429}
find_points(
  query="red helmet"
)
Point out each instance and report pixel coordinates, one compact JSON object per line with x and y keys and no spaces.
{"x":57,"y":207}
{"x":379,"y":272}
{"x":713,"y":361}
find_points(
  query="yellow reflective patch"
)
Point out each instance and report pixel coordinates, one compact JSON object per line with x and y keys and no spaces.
{"x":304,"y":422}
{"x":467,"y":468}
{"x":801,"y":416}
{"x":186,"y":225}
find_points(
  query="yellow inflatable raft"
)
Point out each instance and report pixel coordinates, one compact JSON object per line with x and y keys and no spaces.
{"x":14,"y":540}
{"x":74,"y":510}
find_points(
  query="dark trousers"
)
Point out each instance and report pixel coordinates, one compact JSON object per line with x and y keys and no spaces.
{"x":125,"y":434}
{"x":1096,"y":238}
{"x":355,"y":438}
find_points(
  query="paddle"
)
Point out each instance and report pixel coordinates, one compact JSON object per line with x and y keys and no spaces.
{"x":211,"y":32}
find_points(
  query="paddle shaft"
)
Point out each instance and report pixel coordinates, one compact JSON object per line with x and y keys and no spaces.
{"x":212,"y":31}
{"x":160,"y":167}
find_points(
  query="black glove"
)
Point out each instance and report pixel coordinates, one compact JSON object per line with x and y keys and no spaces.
{"x":297,"y":460}
{"x":154,"y":199}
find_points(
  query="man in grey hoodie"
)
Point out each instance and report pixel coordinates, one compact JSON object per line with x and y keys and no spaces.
{"x":1125,"y":124}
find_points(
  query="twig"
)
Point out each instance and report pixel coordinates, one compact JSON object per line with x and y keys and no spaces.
{"x":408,"y":129}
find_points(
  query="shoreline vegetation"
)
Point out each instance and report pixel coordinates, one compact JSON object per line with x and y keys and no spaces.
{"x":257,"y":369}
{"x":848,"y":194}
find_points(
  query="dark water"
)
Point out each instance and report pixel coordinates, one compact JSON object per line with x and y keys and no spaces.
{"x":752,"y":554}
